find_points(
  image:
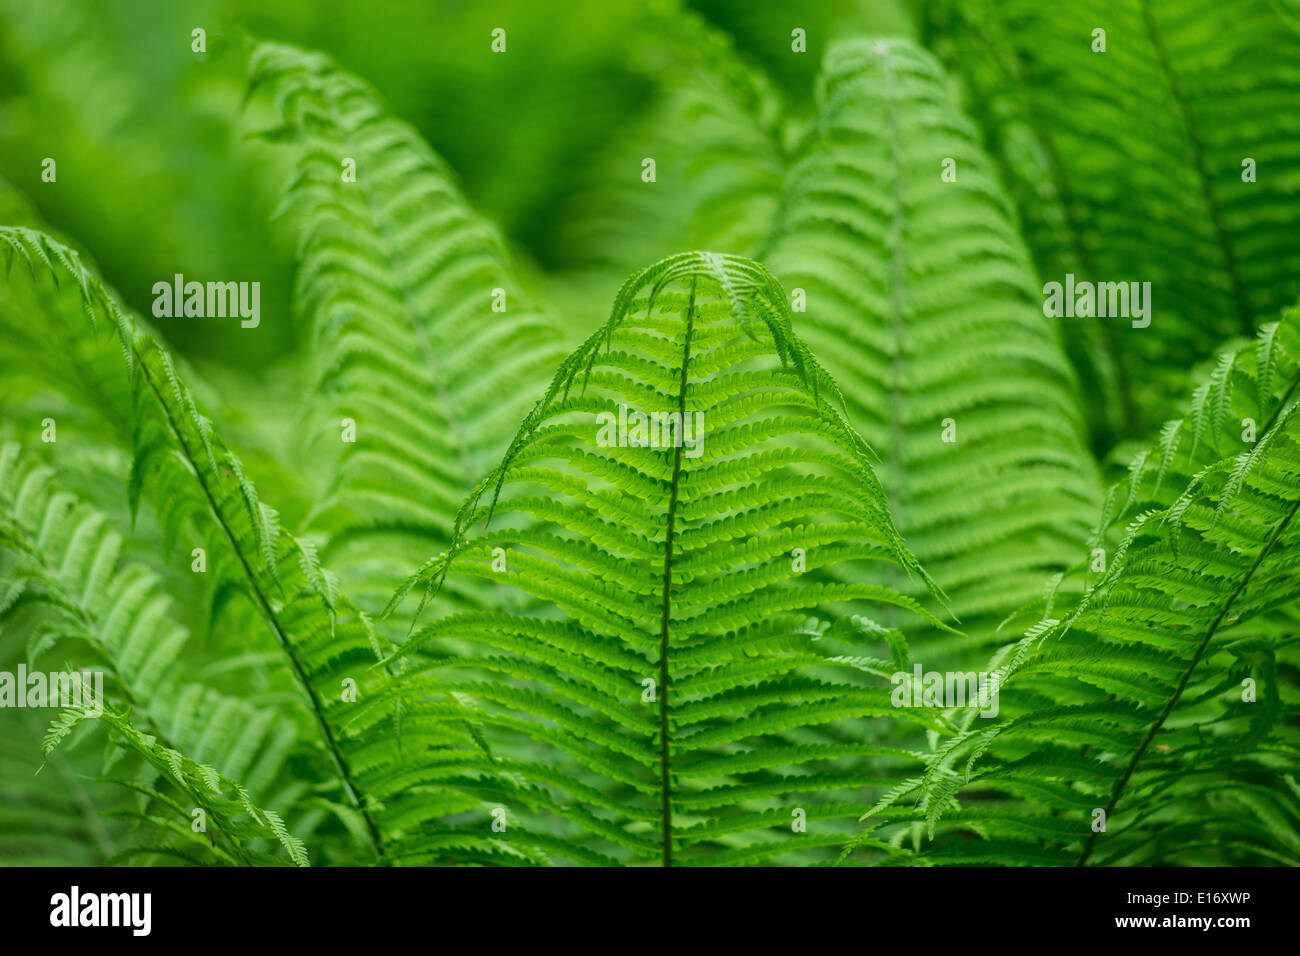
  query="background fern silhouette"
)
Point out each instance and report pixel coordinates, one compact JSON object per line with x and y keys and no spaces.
{"x":401,"y":574}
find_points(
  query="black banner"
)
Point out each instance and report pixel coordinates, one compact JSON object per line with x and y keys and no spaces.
{"x":941,"y":907}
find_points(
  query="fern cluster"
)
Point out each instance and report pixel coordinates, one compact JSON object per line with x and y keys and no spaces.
{"x":485,"y":553}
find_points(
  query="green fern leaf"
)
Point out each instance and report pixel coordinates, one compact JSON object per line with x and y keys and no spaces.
{"x":920,"y":296}
{"x":683,"y":630}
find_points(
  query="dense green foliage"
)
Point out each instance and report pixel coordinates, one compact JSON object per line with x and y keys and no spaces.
{"x":389,"y":576}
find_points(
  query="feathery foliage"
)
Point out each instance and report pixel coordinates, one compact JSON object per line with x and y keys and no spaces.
{"x":417,"y":568}
{"x":67,"y":582}
{"x":178,"y":458}
{"x":1129,"y":162}
{"x":919,"y":294}
{"x":688,"y":659}
{"x":1163,"y":687}
{"x":398,"y":280}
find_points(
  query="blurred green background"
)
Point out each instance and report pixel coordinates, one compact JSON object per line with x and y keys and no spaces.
{"x":157,"y":175}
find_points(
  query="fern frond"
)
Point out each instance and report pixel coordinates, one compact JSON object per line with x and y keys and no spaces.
{"x":369,"y":747}
{"x":921,"y":298}
{"x":421,"y":333}
{"x":1160,"y":689}
{"x":185,"y":464}
{"x":676,"y":702}
{"x":230,"y":819}
{"x":1165,"y":200}
{"x":68,"y":582}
